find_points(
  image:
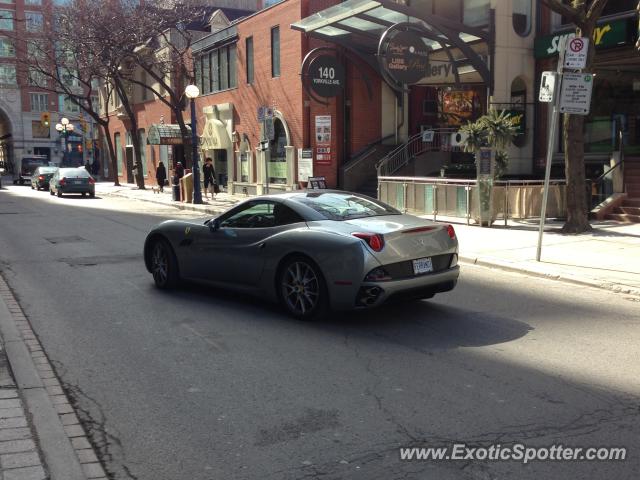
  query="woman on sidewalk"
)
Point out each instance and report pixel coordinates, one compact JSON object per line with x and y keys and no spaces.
{"x":161,"y":176}
{"x":209,"y":176}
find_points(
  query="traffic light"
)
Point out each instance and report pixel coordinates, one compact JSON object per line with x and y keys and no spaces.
{"x":45,"y":119}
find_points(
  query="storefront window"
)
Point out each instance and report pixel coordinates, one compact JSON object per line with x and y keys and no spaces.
{"x":118,"y":147}
{"x":476,"y":13}
{"x":522,"y":17}
{"x":277,"y":168}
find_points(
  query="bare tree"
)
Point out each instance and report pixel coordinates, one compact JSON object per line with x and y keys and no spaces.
{"x":583,"y":14}
{"x":55,"y":61}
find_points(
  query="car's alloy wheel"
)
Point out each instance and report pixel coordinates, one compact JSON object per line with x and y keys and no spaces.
{"x":302,"y":289}
{"x":164,"y":267}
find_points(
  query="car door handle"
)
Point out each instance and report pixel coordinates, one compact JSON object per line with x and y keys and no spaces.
{"x":261,"y":245}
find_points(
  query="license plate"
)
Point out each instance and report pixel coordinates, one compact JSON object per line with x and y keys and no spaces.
{"x":78,"y":182}
{"x":422,"y":265}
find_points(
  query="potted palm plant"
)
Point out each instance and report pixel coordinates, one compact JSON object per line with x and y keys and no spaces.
{"x":494,"y":130}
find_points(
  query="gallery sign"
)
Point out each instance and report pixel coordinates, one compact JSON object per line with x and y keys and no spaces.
{"x":326,"y":76}
{"x":406,"y":58}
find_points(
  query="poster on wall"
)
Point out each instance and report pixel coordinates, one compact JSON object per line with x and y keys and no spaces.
{"x":323,"y":129}
{"x":305,"y":164}
{"x":457,"y":106}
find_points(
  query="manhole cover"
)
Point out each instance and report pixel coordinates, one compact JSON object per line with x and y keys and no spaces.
{"x":69,"y":239}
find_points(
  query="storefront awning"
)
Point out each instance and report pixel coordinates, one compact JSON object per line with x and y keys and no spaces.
{"x":457,"y":53}
{"x":164,"y":134}
{"x":214,"y":135}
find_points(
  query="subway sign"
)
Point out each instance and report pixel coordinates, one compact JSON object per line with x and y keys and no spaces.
{"x":611,"y":34}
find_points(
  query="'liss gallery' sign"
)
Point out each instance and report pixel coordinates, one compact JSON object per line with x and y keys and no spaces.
{"x":406,"y":58}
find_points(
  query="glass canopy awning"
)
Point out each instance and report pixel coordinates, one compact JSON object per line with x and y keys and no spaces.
{"x":457,"y":53}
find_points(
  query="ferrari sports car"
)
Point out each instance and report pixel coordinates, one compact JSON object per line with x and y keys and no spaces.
{"x":310,"y":250}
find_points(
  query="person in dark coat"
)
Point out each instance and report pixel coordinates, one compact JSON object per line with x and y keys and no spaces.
{"x":209,"y":176}
{"x":95,"y":167}
{"x":179,"y":170}
{"x":161,"y":175}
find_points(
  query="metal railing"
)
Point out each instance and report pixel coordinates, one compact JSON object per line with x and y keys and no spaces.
{"x":603,"y":187}
{"x":413,"y":147}
{"x":511,"y":199}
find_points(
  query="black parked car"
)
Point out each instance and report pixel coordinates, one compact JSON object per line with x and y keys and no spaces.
{"x":72,"y":180}
{"x":41,"y":176}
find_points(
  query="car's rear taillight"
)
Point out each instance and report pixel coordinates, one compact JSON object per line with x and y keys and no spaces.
{"x":63,"y":181}
{"x":92,"y":180}
{"x":41,"y":177}
{"x":451,"y":232}
{"x":374,"y":240}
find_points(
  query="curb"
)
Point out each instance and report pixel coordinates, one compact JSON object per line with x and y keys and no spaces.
{"x":178,"y":205}
{"x":612,"y":287}
{"x":58,"y":431}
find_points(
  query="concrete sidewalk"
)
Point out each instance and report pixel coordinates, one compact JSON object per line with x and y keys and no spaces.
{"x":608,"y":257}
{"x":222,"y":202}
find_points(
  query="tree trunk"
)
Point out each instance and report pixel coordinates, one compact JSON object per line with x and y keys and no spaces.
{"x":137,"y":153}
{"x":133,"y":129}
{"x":112,"y":152}
{"x":577,"y":207}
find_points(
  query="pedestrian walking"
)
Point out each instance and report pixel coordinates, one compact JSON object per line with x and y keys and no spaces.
{"x":161,"y":176}
{"x":209,"y":175}
{"x":95,"y":168}
{"x":87,"y":167}
{"x":179,"y":170}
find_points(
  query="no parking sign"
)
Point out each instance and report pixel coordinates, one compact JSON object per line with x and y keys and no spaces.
{"x":575,"y":56}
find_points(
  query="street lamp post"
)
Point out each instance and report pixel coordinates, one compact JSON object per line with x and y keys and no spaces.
{"x":192,"y":93}
{"x":64,"y":128}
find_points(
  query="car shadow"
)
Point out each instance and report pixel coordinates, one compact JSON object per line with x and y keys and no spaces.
{"x":419,"y":325}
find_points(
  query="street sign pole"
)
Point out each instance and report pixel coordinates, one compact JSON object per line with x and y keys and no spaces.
{"x":553,"y":129}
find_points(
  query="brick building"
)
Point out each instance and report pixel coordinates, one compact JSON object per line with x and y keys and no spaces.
{"x":252,"y":89}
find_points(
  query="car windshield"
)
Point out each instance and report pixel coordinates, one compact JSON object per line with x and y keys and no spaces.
{"x":74,"y":172}
{"x":344,"y":206}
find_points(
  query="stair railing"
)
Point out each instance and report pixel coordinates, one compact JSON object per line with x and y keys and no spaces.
{"x":601,"y":188}
{"x":413,"y":147}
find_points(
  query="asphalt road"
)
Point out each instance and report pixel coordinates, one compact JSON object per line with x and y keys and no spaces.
{"x":202,"y":384}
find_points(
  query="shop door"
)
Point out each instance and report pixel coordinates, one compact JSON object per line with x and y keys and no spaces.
{"x":220,"y":166}
{"x":423,"y":109}
{"x":128,"y":153}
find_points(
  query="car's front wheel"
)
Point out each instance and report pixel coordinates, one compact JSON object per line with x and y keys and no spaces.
{"x":302,"y":289}
{"x":164,"y":266}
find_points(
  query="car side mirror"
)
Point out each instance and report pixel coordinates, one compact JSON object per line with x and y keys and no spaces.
{"x":214,"y":225}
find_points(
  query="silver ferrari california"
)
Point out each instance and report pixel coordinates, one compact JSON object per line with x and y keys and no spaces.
{"x":310,"y":250}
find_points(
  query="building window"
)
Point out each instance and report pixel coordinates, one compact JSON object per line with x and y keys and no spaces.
{"x":143,"y":150}
{"x":32,"y":2}
{"x":6,"y":20}
{"x":206,"y":75}
{"x":233,"y":83}
{"x":8,"y":74}
{"x":522,"y":17}
{"x":249,"y":48}
{"x":34,"y":21}
{"x":118,"y":147}
{"x":69,"y":106}
{"x":224,"y":68}
{"x":37,"y":78}
{"x":7,"y":48}
{"x":214,"y":73}
{"x":39,"y":102}
{"x":475,"y":13}
{"x":218,"y":70}
{"x":275,"y":52}
{"x":38,"y":130}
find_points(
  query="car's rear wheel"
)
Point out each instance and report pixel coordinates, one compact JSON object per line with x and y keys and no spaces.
{"x":302,"y":288}
{"x":164,"y":266}
{"x":92,"y":194}
{"x":59,"y":193}
{"x":51,"y":192}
